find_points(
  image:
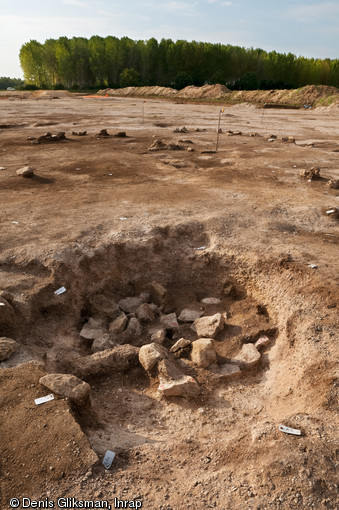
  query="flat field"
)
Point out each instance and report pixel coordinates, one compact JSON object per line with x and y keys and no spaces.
{"x":105,"y":216}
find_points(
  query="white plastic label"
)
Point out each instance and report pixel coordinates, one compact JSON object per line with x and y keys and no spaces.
{"x":108,"y":459}
{"x":60,"y":291}
{"x":288,"y":430}
{"x":42,"y":400}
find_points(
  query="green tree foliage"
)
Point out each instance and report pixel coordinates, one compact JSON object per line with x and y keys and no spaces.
{"x":5,"y":82}
{"x":129,"y":77}
{"x":113,"y":62}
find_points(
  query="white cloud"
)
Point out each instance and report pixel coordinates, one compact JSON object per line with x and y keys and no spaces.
{"x":77,"y":3}
{"x":307,"y":12}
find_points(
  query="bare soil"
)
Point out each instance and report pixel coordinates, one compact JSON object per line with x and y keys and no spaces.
{"x":103,"y":215}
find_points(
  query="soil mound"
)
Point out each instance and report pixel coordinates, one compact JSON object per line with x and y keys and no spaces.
{"x":207,"y":91}
{"x":314,"y":95}
{"x":50,"y":94}
{"x":190,"y":92}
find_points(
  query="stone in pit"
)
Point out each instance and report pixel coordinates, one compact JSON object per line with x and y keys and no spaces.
{"x":182,"y":346}
{"x":134,"y":329}
{"x":209,"y":326}
{"x":118,"y":325}
{"x":203,"y":353}
{"x":92,"y":329}
{"x":7,"y":347}
{"x":188,"y":315}
{"x":159,"y":336}
{"x":102,"y":343}
{"x":262,"y":342}
{"x":67,"y":385}
{"x":145,"y":313}
{"x":151,"y":354}
{"x":226,"y":371}
{"x":169,"y":321}
{"x":175,"y":384}
{"x":130,"y":304}
{"x":159,"y":295}
{"x":248,"y":357}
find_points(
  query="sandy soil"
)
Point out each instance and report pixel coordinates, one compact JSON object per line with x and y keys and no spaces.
{"x":106,"y":215}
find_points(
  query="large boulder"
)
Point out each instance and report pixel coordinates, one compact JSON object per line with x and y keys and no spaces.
{"x":151,"y":354}
{"x":7,"y":347}
{"x":118,"y":359}
{"x":66,"y":385}
{"x":248,"y":357}
{"x":209,"y":326}
{"x":203,"y":353}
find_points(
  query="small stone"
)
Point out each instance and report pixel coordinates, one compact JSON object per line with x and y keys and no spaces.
{"x":92,"y":329}
{"x":103,"y":306}
{"x":188,"y":315}
{"x":130,"y":304}
{"x":333,"y":183}
{"x":248,"y":357}
{"x":25,"y":171}
{"x":211,"y":301}
{"x":67,"y":385}
{"x":118,"y":325}
{"x":226,"y":371}
{"x":120,"y":134}
{"x":134,"y":329}
{"x":151,"y":354}
{"x":262,"y":342}
{"x":158,"y":336}
{"x":203,"y":353}
{"x":311,"y":174}
{"x":209,"y":326}
{"x":145,"y":313}
{"x":180,"y":346}
{"x":7,"y":347}
{"x":169,"y":321}
{"x":102,"y":343}
{"x":145,"y":297}
{"x":159,"y":294}
{"x":184,"y":387}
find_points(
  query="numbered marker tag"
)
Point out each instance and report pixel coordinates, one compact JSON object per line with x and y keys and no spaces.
{"x":288,"y":430}
{"x":108,"y":459}
{"x":60,"y":291}
{"x":42,"y":400}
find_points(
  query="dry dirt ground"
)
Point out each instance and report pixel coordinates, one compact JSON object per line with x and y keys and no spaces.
{"x":107,"y":216}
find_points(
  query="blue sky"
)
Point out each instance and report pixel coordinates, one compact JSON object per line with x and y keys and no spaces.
{"x":309,"y":27}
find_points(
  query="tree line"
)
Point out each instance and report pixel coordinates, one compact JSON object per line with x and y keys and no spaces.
{"x":100,"y":62}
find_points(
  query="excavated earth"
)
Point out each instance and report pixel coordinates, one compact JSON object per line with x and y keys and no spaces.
{"x":105,"y":218}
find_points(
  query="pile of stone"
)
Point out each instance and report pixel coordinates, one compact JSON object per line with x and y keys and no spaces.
{"x":310,"y":174}
{"x":159,"y":145}
{"x":49,"y":138}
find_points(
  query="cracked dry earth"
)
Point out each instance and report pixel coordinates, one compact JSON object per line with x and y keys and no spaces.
{"x":109,"y":219}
